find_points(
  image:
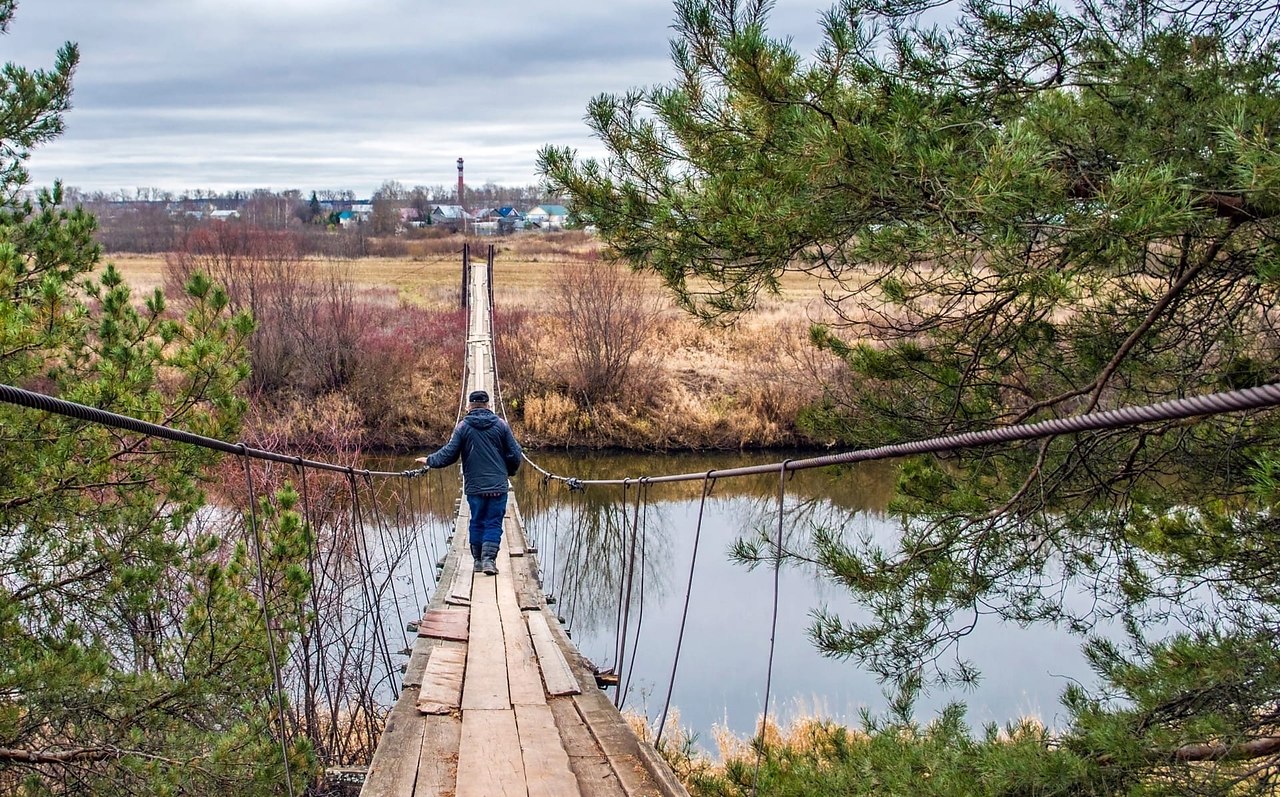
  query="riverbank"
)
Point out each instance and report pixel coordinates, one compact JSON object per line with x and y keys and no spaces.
{"x":590,"y":354}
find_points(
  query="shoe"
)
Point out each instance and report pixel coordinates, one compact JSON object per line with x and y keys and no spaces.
{"x":478,"y":558}
{"x":477,"y":567}
{"x":489,"y":558}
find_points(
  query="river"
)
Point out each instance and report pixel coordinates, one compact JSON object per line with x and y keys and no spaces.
{"x":720,"y":681}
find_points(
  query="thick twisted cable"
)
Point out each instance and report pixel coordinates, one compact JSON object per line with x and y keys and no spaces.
{"x":39,"y":401}
{"x":1254,"y":398}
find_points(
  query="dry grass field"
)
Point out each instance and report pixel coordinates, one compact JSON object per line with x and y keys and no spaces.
{"x":698,"y":386}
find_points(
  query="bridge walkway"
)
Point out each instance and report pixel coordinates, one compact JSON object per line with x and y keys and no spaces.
{"x":496,"y":699}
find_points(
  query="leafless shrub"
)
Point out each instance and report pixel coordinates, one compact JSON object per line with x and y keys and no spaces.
{"x":318,"y":334}
{"x":611,"y":319}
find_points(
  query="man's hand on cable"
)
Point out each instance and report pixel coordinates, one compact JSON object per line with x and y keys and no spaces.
{"x":417,"y":471}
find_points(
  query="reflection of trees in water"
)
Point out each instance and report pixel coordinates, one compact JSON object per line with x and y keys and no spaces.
{"x":586,"y":541}
{"x":588,"y":567}
{"x":602,"y":551}
{"x":865,"y":486}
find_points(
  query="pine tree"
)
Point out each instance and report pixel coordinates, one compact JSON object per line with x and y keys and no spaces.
{"x":134,"y":649}
{"x":1027,"y":212}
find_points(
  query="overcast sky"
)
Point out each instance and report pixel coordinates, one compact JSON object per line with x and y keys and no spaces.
{"x":339,"y":94}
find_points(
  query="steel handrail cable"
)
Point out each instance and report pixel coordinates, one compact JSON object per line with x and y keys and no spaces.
{"x":1244,"y":399}
{"x":70,"y":409}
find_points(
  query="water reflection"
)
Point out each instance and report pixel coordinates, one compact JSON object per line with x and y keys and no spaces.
{"x":584,"y":538}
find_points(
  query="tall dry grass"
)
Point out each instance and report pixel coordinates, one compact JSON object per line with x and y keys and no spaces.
{"x":701,"y":387}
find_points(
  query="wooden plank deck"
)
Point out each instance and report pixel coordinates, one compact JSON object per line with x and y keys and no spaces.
{"x":496,"y":699}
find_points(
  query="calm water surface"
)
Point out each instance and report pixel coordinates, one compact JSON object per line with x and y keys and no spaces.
{"x":583,"y":539}
{"x":724,"y":656}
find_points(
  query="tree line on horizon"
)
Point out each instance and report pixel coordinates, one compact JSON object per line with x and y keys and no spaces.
{"x":151,"y":220}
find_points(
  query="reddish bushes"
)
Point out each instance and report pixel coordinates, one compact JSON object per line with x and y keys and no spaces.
{"x":317,"y":334}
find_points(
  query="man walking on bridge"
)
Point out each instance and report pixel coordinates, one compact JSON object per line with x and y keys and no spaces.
{"x":490,"y":455}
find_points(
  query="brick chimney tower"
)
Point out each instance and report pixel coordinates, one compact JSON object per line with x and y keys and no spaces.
{"x":460,"y":200}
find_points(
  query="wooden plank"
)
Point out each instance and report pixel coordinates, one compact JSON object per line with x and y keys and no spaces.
{"x":555,"y":670}
{"x":460,"y":586}
{"x":528,"y":591}
{"x":438,"y":760}
{"x":395,"y":763}
{"x":418,"y":661}
{"x":546,"y":765}
{"x":486,"y":682}
{"x":618,"y":743}
{"x":595,"y":777}
{"x":513,"y":530}
{"x":489,"y":758}
{"x":441,"y":691}
{"x":445,"y":624}
{"x":523,"y":679}
{"x":640,"y":770}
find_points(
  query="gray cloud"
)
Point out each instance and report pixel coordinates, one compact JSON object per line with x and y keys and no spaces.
{"x":305,"y":94}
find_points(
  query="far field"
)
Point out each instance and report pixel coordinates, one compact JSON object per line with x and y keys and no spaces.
{"x":696,"y":386}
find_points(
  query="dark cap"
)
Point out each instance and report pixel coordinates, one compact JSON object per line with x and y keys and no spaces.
{"x":478,"y":397}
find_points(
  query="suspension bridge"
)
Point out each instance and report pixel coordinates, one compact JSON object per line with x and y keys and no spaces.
{"x":494,"y":698}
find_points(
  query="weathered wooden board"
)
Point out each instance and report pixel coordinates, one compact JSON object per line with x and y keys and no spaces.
{"x":460,"y":585}
{"x":418,"y":662}
{"x":618,"y":743}
{"x":489,"y":759}
{"x":445,"y":624}
{"x":441,"y":691}
{"x":523,"y":679}
{"x":555,"y":670}
{"x":438,"y":757}
{"x":486,"y":682}
{"x":528,"y":591}
{"x":395,"y":763}
{"x":546,"y":765}
{"x":595,"y":777}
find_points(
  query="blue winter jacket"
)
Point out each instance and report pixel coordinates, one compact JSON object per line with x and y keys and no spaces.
{"x":490,"y":453}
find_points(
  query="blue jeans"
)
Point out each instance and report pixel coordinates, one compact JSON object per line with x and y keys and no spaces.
{"x":486,"y":518}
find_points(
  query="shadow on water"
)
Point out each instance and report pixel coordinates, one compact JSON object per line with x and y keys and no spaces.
{"x":585,"y":538}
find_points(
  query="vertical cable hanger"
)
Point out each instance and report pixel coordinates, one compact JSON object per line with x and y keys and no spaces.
{"x":643,"y":495}
{"x":372,"y":595}
{"x":707,"y":485}
{"x":331,"y":699}
{"x":629,"y":564}
{"x":416,"y":513}
{"x":389,"y":556}
{"x":773,"y":624}
{"x":266,"y":626}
